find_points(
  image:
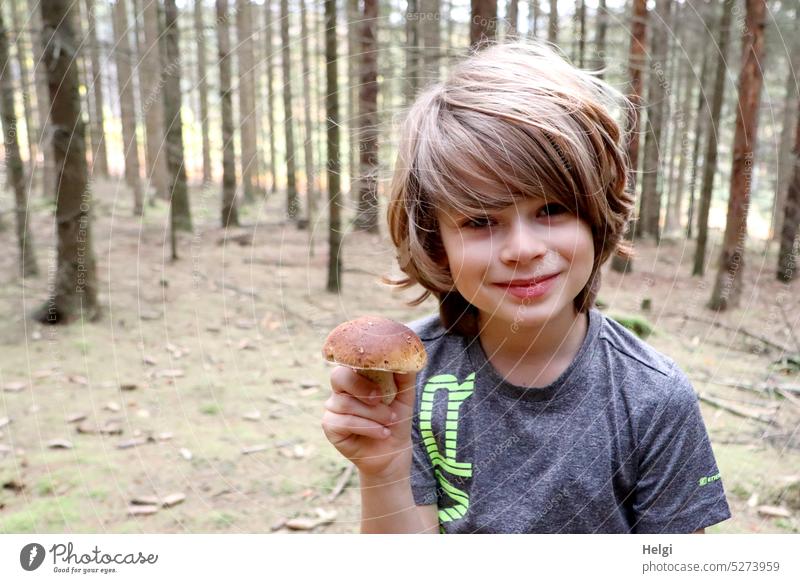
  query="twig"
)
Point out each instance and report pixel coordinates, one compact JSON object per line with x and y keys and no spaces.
{"x":789,"y":327}
{"x":789,"y":397}
{"x":341,"y":483}
{"x":738,"y":411}
{"x":739,"y":330}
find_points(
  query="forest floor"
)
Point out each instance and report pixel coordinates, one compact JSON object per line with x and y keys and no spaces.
{"x":204,"y":377}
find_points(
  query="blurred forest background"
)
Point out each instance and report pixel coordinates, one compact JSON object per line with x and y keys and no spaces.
{"x":193,"y":195}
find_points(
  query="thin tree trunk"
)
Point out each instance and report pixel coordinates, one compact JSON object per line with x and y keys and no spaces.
{"x":367,"y":213}
{"x":130,"y":143}
{"x":42,"y":102}
{"x":581,"y":6}
{"x":230,"y":215}
{"x":431,"y":40}
{"x":74,"y":293}
{"x":334,"y":282}
{"x":24,"y":80}
{"x":353,"y":47}
{"x":552,"y":23}
{"x":293,"y":211}
{"x":27,"y":257}
{"x":699,"y":131}
{"x":728,"y":286}
{"x":99,"y":150}
{"x":180,"y":213}
{"x":270,"y":49}
{"x":202,"y":88}
{"x":600,"y":38}
{"x":308,"y":141}
{"x":636,"y":67}
{"x":534,"y":14}
{"x":790,"y":226}
{"x":413,"y":58}
{"x":710,"y":158}
{"x":151,"y":89}
{"x":483,"y":24}
{"x":247,"y":113}
{"x":512,"y":16}
{"x":650,"y":207}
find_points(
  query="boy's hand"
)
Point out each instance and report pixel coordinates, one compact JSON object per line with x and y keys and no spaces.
{"x":374,"y":436}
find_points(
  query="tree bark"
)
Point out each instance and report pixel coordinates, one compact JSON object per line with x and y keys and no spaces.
{"x":512,"y":15}
{"x":293,"y":211}
{"x":42,"y":102}
{"x":99,"y":149}
{"x":413,"y":58}
{"x":728,"y":286}
{"x":180,"y":212}
{"x":230,"y":214}
{"x":710,"y":158}
{"x":650,"y":207}
{"x":534,"y":14}
{"x":790,"y":243}
{"x":270,"y":49}
{"x":334,"y":282}
{"x":202,"y":88}
{"x":308,"y":141}
{"x":552,"y":23}
{"x":74,"y":293}
{"x":247,"y":112}
{"x":24,"y":80}
{"x":431,"y":40}
{"x":367,"y":213}
{"x":14,"y":167}
{"x":600,"y":36}
{"x":130,"y":143}
{"x":483,"y":24}
{"x":636,"y":67}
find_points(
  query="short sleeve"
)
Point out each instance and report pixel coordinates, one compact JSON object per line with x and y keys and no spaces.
{"x":423,"y":481}
{"x":679,"y":487}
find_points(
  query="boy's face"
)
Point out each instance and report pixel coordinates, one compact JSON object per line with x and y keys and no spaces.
{"x":531,"y":238}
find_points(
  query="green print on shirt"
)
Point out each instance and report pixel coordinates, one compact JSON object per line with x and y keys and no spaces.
{"x":457,"y":393}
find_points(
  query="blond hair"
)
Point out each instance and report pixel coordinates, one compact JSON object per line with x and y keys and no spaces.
{"x":509,"y":121}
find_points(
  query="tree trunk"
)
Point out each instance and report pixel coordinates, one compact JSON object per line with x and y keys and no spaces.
{"x":99,"y":150}
{"x":27,"y":258}
{"x":413,"y":58}
{"x":552,"y":23}
{"x":699,"y":130}
{"x":42,"y":102}
{"x":353,"y":47}
{"x":230,"y":215}
{"x":534,"y":14}
{"x":431,"y":40}
{"x":24,"y":79}
{"x":512,"y":16}
{"x":483,"y":24}
{"x":308,"y":141}
{"x":367,"y":213}
{"x":581,"y":18}
{"x":293,"y":211}
{"x":790,"y":244}
{"x":130,"y":143}
{"x":180,"y":213}
{"x":600,"y":38}
{"x":710,"y":158}
{"x":636,"y":67}
{"x":74,"y":293}
{"x":151,"y":90}
{"x":334,"y":283}
{"x":247,"y":112}
{"x":202,"y":88}
{"x":270,"y":49}
{"x":728,"y":285}
{"x":650,"y":207}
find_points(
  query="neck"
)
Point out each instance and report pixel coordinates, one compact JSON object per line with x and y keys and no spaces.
{"x":558,"y":338}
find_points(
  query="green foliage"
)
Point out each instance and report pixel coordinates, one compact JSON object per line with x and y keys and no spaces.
{"x":636,"y":324}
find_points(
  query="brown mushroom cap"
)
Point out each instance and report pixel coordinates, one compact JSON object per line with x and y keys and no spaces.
{"x":375,"y":343}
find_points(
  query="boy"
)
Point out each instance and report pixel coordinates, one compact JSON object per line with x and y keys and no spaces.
{"x":535,"y":412}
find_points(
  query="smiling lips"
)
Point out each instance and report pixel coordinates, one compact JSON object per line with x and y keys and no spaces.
{"x":529,"y":288}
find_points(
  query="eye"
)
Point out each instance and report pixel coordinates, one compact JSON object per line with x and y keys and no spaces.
{"x":554,"y":208}
{"x":476,"y":223}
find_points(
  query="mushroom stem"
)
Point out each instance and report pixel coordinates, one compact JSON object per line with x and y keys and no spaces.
{"x":384,"y":379}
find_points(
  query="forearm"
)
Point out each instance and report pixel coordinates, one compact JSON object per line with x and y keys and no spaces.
{"x":387,"y":506}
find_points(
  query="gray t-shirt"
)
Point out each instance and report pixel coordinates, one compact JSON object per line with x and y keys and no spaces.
{"x":616,"y":444}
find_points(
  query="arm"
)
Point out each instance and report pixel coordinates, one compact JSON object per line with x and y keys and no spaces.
{"x":387,"y":506}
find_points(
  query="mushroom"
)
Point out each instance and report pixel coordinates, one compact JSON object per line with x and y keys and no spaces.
{"x":376,"y":348}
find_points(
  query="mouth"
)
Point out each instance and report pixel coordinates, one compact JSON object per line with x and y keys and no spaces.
{"x":526,"y":282}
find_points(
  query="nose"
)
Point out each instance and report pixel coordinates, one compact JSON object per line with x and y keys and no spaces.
{"x":522,"y":243}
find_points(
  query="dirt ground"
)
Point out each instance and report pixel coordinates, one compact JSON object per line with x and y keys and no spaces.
{"x":204,"y":377}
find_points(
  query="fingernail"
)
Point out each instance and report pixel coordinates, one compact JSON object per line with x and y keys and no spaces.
{"x":373,"y":395}
{"x":394,"y":416}
{"x":387,"y":432}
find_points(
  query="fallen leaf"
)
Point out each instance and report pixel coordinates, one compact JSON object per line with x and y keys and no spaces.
{"x":43,"y":373}
{"x":254,"y":449}
{"x":307,"y":392}
{"x":185,"y":453}
{"x":75,"y":417}
{"x":14,"y":387}
{"x":281,"y":380}
{"x":775,"y":511}
{"x":752,"y":502}
{"x":4,"y":421}
{"x":308,"y":384}
{"x":128,"y":387}
{"x":173,"y":499}
{"x":164,"y":436}
{"x":303,"y":523}
{"x":149,"y":360}
{"x":142,"y":510}
{"x":145,"y":501}
{"x":143,"y":413}
{"x":170,"y":373}
{"x":252,"y":416}
{"x":78,"y":379}
{"x":112,"y":406}
{"x":132,"y":443}
{"x":245,"y":344}
{"x":59,"y":444}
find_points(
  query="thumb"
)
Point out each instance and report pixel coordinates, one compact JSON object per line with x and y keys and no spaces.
{"x":406,"y":387}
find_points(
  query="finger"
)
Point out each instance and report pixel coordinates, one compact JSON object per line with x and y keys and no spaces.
{"x":406,"y":388}
{"x":338,"y":427}
{"x":346,"y":404}
{"x":346,"y":380}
